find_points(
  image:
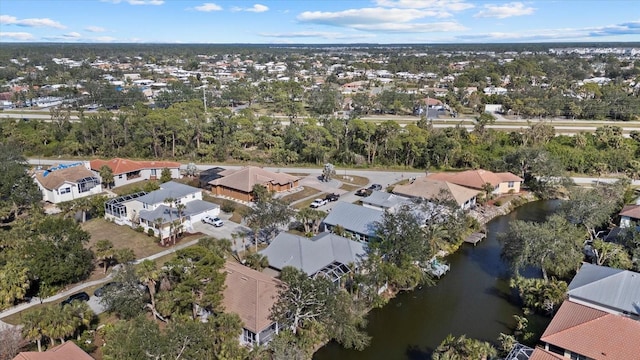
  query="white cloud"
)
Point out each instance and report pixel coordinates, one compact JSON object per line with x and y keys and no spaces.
{"x":104,"y":39}
{"x":565,"y":34}
{"x":95,"y":29}
{"x":72,"y":35}
{"x":505,"y":11}
{"x":329,"y":35}
{"x":21,"y":36}
{"x":381,"y":19}
{"x":136,"y":2}
{"x":32,"y":22}
{"x":208,"y":7}
{"x":257,"y":8}
{"x":443,"y":5}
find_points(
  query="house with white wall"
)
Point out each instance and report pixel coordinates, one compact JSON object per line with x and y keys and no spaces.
{"x":127,"y":171}
{"x":174,"y":205}
{"x":67,"y":182}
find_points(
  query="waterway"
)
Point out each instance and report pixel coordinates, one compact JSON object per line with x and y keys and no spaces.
{"x":473,"y":299}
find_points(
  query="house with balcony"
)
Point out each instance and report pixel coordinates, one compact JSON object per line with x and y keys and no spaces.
{"x":174,"y":205}
{"x":127,"y":171}
{"x":251,"y":295}
{"x":67,"y":182}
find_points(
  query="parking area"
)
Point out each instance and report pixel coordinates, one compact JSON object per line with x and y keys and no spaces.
{"x":225,"y":231}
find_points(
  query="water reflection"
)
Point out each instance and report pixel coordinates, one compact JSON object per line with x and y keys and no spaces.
{"x":474,"y":298}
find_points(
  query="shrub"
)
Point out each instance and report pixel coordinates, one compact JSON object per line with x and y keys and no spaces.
{"x":150,"y":232}
{"x":228,"y":206}
{"x":498,"y":203}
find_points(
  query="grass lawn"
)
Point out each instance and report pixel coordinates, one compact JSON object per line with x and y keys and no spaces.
{"x":131,"y":188}
{"x":306,"y":203}
{"x":121,"y":237}
{"x":349,"y":187}
{"x":358,"y":181}
{"x":238,"y":212}
{"x":305,"y":192}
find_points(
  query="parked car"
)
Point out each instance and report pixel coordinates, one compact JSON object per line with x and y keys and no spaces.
{"x":215,"y":221}
{"x":332,"y":197}
{"x":364,"y":192}
{"x":318,"y":202}
{"x":100,"y":291}
{"x":81,"y":296}
{"x":376,"y":187}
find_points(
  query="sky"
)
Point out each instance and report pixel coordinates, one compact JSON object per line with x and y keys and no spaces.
{"x":318,"y":22}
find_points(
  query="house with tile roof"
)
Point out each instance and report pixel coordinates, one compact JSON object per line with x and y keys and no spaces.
{"x":428,"y":188}
{"x":66,"y":182}
{"x":502,"y":183}
{"x":359,"y":222}
{"x":238,"y":184}
{"x":153,"y":211}
{"x":127,"y":171}
{"x":582,"y":332}
{"x":607,"y":289}
{"x":251,"y":295}
{"x":325,"y":254}
{"x":65,"y":351}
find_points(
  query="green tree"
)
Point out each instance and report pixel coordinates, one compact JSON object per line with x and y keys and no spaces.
{"x":540,"y":295}
{"x":148,"y":275}
{"x":125,"y":299}
{"x":256,"y":261}
{"x":462,"y":348}
{"x":310,"y":219}
{"x":553,"y":246}
{"x":106,"y":174}
{"x":165,"y":175}
{"x":14,"y":283}
{"x":611,"y":255}
{"x":18,"y":192}
{"x":32,"y":326}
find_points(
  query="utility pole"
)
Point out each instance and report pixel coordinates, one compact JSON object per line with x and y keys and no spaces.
{"x":204,"y":101}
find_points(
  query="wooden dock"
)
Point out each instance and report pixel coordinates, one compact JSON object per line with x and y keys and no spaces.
{"x":475,"y":238}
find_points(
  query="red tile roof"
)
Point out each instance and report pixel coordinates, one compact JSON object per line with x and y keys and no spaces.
{"x":593,"y":333}
{"x":542,"y":354}
{"x":66,"y":351}
{"x":250,"y":294}
{"x":632,"y":211}
{"x":123,"y":166}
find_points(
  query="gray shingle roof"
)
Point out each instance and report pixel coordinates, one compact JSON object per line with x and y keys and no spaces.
{"x":167,"y":213}
{"x":169,"y":189}
{"x":354,"y":218}
{"x":612,"y":288}
{"x":312,"y":254}
{"x":384,"y":199}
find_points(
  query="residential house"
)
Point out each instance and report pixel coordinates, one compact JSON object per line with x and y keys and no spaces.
{"x":238,"y":184}
{"x":67,"y":182}
{"x":629,"y":214}
{"x":65,"y":351}
{"x":502,"y":183}
{"x":600,"y":320}
{"x":428,"y":188}
{"x":325,"y":254}
{"x":581,"y":332}
{"x":127,"y":171}
{"x":251,"y":295}
{"x":608,"y":289}
{"x":381,"y":200}
{"x":206,"y":176}
{"x":153,"y":211}
{"x":359,"y":222}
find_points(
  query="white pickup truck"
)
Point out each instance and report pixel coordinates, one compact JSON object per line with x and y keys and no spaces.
{"x":318,"y":202}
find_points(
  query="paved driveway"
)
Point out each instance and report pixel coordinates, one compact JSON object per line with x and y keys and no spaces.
{"x":225,"y":232}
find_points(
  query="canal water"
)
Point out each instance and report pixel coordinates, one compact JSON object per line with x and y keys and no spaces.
{"x":473,"y":299}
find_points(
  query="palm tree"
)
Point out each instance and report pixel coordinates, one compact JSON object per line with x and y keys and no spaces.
{"x":257,"y":261}
{"x":32,"y":322}
{"x":80,"y":315}
{"x":170,"y":201}
{"x":14,"y":283}
{"x":149,"y":274}
{"x":106,"y":174}
{"x":104,"y":253}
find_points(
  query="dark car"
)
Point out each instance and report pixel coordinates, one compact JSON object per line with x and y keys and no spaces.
{"x":364,"y":192}
{"x":332,"y":197}
{"x":377,"y":187}
{"x":81,"y":296}
{"x":100,"y":291}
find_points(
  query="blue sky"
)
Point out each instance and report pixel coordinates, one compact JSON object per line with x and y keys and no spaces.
{"x":323,"y":21}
